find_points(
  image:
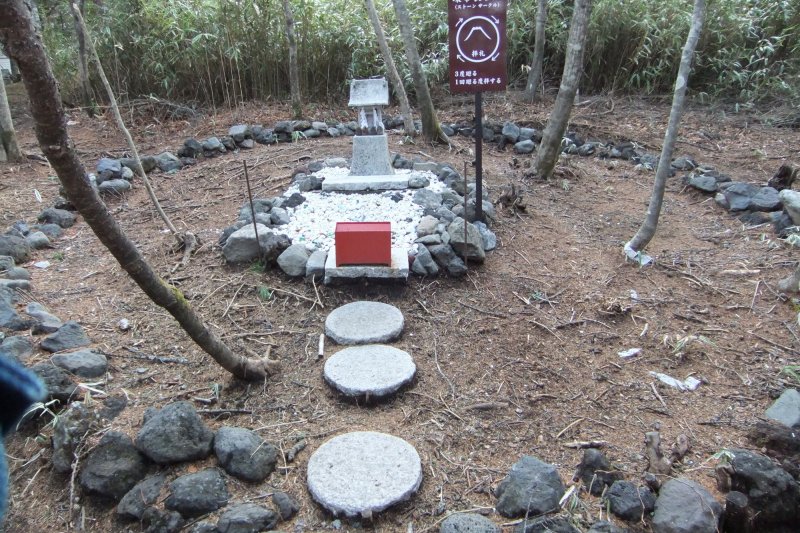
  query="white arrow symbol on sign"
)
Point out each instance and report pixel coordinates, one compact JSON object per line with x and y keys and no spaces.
{"x":479,"y":23}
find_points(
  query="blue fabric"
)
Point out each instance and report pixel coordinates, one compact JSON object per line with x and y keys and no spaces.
{"x":19,"y":388}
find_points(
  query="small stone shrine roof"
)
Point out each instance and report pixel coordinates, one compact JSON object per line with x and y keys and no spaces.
{"x":368,"y":93}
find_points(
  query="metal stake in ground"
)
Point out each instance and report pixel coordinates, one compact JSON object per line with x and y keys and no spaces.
{"x":252,"y":210}
{"x":466,"y":182}
{"x":478,"y":160}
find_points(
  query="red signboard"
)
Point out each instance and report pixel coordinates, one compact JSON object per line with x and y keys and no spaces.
{"x":477,"y":45}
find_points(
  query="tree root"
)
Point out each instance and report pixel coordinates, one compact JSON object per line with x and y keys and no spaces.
{"x":659,"y":463}
{"x":253,"y":369}
{"x":190,"y":243}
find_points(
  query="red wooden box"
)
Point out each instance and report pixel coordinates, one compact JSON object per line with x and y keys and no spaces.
{"x":363,"y":243}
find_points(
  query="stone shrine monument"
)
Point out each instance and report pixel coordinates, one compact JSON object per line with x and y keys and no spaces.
{"x":371,"y":167}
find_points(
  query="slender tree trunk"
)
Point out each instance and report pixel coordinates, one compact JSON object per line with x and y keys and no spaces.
{"x":431,"y":129}
{"x":83,"y":64}
{"x":550,"y":147}
{"x":294,"y":71}
{"x":535,"y":74}
{"x":648,"y":228}
{"x":25,"y":46}
{"x":14,"y":71}
{"x":84,"y":32}
{"x":391,"y":69}
{"x":9,"y":149}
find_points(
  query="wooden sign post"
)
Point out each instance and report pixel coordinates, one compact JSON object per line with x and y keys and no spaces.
{"x":477,"y":63}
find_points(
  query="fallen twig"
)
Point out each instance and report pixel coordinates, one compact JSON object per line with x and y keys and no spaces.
{"x":294,"y":450}
{"x":484,"y":311}
{"x":553,"y":333}
{"x":581,"y":322}
{"x":570,"y":425}
{"x":655,"y":391}
{"x":441,"y":373}
{"x":773,"y":343}
{"x":486,"y":406}
{"x":154,"y":358}
{"x":225,"y":411}
{"x":583,"y":444}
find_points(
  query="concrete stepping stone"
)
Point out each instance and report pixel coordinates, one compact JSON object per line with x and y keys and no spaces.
{"x":371,"y":370}
{"x":364,"y":323}
{"x":364,"y":472}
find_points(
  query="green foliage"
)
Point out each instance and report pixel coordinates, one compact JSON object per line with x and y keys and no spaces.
{"x":793,"y":371}
{"x":264,"y":292}
{"x":220,"y":52}
{"x":258,"y":267}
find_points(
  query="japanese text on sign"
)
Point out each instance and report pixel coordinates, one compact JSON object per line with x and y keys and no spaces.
{"x":477,"y":45}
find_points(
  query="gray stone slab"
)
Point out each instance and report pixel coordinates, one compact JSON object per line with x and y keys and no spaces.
{"x":363,"y":472}
{"x":374,"y":92}
{"x":371,"y":156}
{"x":364,"y":323}
{"x":398,"y":270}
{"x":786,"y":409}
{"x":315,"y":267}
{"x":372,"y":370}
{"x":365,"y":183}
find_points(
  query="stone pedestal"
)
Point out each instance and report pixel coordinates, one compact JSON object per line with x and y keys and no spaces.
{"x":366,"y":183}
{"x":371,"y":156}
{"x":398,"y":271}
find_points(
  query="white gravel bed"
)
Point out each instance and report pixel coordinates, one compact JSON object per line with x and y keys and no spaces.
{"x":313,"y":222}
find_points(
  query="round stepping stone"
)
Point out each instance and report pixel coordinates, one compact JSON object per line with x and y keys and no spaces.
{"x":364,"y":323}
{"x":372,"y":370}
{"x":363,"y":472}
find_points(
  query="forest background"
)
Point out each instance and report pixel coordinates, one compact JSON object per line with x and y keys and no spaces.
{"x":223,"y":52}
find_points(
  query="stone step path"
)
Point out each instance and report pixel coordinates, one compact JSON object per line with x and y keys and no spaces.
{"x":373,"y":371}
{"x":364,"y":472}
{"x":364,"y":323}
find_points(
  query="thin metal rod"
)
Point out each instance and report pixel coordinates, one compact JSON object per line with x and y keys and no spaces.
{"x":478,"y":156}
{"x":252,"y":209}
{"x":466,"y":182}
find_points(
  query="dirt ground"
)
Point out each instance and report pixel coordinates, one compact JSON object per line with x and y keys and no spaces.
{"x":520,"y":357}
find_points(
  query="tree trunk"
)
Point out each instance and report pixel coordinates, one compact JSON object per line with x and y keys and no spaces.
{"x":648,"y":228}
{"x":550,"y":147}
{"x":83,"y":64}
{"x":9,"y":149}
{"x":294,"y":71}
{"x":84,"y":32}
{"x":391,"y":69}
{"x":431,"y":129}
{"x":535,"y":74}
{"x":14,"y":71}
{"x":22,"y":43}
